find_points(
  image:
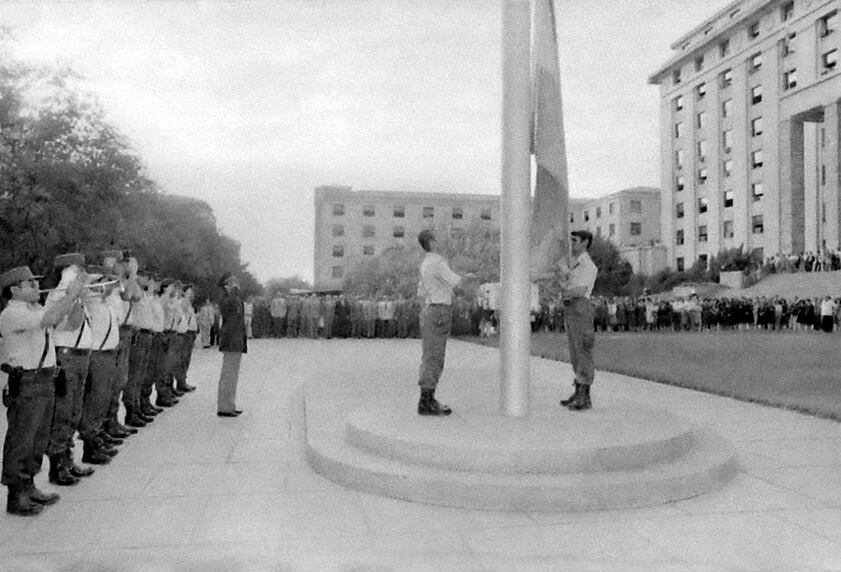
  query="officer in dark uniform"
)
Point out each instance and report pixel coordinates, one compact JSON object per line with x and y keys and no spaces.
{"x":28,"y":358}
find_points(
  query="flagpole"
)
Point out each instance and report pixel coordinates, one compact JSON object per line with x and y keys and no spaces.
{"x":515,"y":333}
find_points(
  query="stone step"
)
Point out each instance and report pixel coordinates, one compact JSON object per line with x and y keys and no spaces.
{"x":612,"y":438}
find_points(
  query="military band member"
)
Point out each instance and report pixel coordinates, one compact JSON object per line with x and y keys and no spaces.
{"x":188,"y":330}
{"x":28,"y":357}
{"x":138,"y":413}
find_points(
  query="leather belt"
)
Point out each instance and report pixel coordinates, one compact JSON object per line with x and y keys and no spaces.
{"x":73,"y":351}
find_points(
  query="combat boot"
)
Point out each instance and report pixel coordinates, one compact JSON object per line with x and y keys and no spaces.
{"x":582,"y":401}
{"x":428,"y":405}
{"x":571,"y":398}
{"x":185,"y":387}
{"x":94,"y":455}
{"x":19,"y":503}
{"x":76,"y":470}
{"x":38,"y":496}
{"x":133,"y":418}
{"x":59,"y":473}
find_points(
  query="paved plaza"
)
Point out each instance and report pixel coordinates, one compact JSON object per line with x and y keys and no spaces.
{"x":197,"y":492}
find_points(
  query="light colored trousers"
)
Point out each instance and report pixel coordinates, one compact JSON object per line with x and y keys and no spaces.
{"x":578,"y":315}
{"x":227,"y":396}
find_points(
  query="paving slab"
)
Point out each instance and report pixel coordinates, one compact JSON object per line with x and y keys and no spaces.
{"x":198,"y":492}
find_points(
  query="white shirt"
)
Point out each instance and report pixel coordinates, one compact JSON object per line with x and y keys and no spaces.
{"x":105,"y":324}
{"x":582,"y":273}
{"x":23,"y":337}
{"x":64,"y":336}
{"x":827,"y":308}
{"x":436,"y":280}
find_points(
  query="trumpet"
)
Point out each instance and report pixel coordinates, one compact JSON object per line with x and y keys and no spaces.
{"x":92,"y":287}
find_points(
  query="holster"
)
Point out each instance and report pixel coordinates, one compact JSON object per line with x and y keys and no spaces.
{"x":60,"y":384}
{"x":15,"y":377}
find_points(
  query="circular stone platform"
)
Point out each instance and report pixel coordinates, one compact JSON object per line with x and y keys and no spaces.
{"x":613,"y":438}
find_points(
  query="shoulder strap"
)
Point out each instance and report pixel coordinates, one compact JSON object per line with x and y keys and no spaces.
{"x":108,"y":333}
{"x":46,"y":348}
{"x":130,"y":307}
{"x":81,"y":329}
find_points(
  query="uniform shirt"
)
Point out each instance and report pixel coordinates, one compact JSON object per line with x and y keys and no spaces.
{"x":278,"y":308}
{"x":105,"y":324}
{"x":156,"y":306}
{"x":141,"y":315}
{"x":63,"y":336}
{"x":436,"y":280}
{"x":191,"y":323}
{"x":582,"y":273}
{"x":23,"y":337}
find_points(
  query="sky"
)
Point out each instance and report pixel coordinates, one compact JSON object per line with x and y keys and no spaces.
{"x":249,"y":105}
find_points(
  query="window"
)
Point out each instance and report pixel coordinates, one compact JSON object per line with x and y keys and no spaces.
{"x":702,"y":150}
{"x":755,"y":62}
{"x":399,"y":212}
{"x":338,"y":210}
{"x":398,"y":232}
{"x":611,"y":229}
{"x":790,"y":79}
{"x":756,"y":126}
{"x":337,"y":271}
{"x":829,"y":60}
{"x":678,"y":129}
{"x":702,"y":258}
{"x":727,"y":108}
{"x":727,"y":140}
{"x":725,"y":78}
{"x":571,"y":217}
{"x":701,"y":119}
{"x":636,"y":206}
{"x":828,"y":23}
{"x":680,"y":264}
{"x":753,"y":30}
{"x":702,"y":233}
{"x":678,"y":103}
{"x":338,"y":251}
{"x":727,"y":229}
{"x":699,"y":63}
{"x":680,"y":183}
{"x":679,"y":211}
{"x":788,"y":44}
{"x":610,"y":206}
{"x":598,"y":231}
{"x":368,"y":210}
{"x":756,"y":94}
{"x":700,"y":91}
{"x":368,"y":250}
{"x":724,"y":48}
{"x":728,"y":199}
{"x":727,"y":167}
{"x":598,"y":212}
{"x":368,"y":231}
{"x":823,"y":213}
{"x":787,"y":11}
{"x":485,"y":214}
{"x":457,"y":213}
{"x":676,"y":77}
{"x":703,"y":202}
{"x":757,"y":224}
{"x":757,"y":191}
{"x":586,"y":216}
{"x":636,"y":228}
{"x":428,"y":212}
{"x":679,"y":237}
{"x":756,"y":159}
{"x":338,"y":230}
{"x":702,"y":175}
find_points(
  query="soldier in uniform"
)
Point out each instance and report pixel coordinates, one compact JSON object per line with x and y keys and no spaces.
{"x":187,"y":335}
{"x":28,"y":357}
{"x":232,"y":343}
{"x":139,"y":319}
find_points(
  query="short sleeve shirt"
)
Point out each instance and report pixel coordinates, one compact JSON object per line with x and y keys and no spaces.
{"x":24,"y":339}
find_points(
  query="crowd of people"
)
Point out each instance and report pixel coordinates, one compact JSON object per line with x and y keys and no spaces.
{"x":96,"y":336}
{"x":824,"y":260}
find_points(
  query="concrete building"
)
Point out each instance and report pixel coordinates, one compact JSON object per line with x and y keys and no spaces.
{"x":749,"y":129}
{"x":353,"y":225}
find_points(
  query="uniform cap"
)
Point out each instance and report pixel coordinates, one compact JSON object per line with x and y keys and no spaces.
{"x":115,"y":254}
{"x":65,"y":260}
{"x":16,"y":275}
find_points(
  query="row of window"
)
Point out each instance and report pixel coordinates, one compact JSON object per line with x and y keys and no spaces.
{"x":457,"y":213}
{"x":757,"y":192}
{"x":757,"y":227}
{"x":826,"y":25}
{"x":368,"y":231}
{"x":635,"y":229}
{"x":339,"y":250}
{"x":756,"y":162}
{"x":635,"y":207}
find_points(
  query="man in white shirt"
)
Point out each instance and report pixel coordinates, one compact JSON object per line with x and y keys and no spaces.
{"x":435,"y":290}
{"x":827,"y":314}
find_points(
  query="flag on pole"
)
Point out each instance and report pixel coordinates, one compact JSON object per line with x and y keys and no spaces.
{"x":551,"y":194}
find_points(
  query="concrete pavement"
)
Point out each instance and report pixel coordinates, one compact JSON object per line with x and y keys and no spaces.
{"x":197,"y":492}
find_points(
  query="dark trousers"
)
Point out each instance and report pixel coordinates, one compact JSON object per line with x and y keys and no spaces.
{"x":581,"y":335}
{"x":121,"y":376}
{"x":137,"y":363}
{"x":155,"y":366}
{"x":101,"y":373}
{"x":173,"y":356}
{"x":435,"y":324}
{"x":185,"y":356}
{"x":68,"y":407}
{"x":29,"y":416}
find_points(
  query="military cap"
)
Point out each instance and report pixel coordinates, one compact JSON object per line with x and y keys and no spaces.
{"x":115,"y":254}
{"x":65,"y":260}
{"x":16,"y":275}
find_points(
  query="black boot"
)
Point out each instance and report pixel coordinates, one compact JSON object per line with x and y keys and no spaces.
{"x":133,"y":418}
{"x":582,"y":401}
{"x":60,"y":473}
{"x":19,"y":503}
{"x":428,"y":405}
{"x":38,"y":496}
{"x":94,"y":455}
{"x":76,"y":470}
{"x":571,"y":398}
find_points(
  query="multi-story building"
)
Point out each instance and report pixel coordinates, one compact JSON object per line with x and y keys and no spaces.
{"x":353,"y":225}
{"x":749,"y":130}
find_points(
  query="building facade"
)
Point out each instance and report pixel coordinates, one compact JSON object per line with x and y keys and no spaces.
{"x":749,"y":129}
{"x":351,"y":226}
